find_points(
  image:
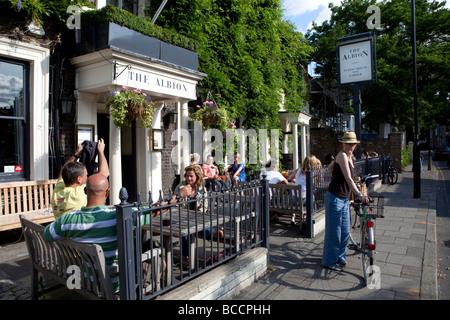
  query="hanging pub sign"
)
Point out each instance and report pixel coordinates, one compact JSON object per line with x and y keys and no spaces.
{"x":356,"y":59}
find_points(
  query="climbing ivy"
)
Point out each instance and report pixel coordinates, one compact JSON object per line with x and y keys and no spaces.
{"x":251,"y":55}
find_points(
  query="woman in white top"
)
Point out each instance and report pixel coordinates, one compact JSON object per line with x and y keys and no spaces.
{"x":299,"y":176}
{"x":273,"y":176}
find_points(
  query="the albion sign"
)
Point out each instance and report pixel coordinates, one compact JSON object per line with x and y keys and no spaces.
{"x":355,"y":57}
{"x":157,"y":83}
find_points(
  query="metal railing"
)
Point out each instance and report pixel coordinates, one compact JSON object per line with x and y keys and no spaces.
{"x":161,"y":247}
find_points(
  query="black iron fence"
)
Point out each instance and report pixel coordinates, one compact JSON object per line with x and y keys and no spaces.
{"x":163,"y":246}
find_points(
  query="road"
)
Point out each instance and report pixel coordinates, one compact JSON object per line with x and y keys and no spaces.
{"x":443,"y":228}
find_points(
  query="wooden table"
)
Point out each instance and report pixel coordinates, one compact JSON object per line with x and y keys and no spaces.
{"x":189,"y":225}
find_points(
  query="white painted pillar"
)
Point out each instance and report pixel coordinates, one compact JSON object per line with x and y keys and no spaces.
{"x":285,"y":143}
{"x":295,"y":159}
{"x":303,"y":151}
{"x":143,"y":159}
{"x":184,"y":124}
{"x":115,"y":164}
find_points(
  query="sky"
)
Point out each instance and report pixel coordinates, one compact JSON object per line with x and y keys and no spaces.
{"x":303,"y":12}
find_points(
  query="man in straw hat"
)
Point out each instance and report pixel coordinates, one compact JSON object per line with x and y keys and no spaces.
{"x":337,"y":211}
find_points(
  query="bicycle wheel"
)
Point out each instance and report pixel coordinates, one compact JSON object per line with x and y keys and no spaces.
{"x":355,"y":231}
{"x":392,"y":175}
{"x":366,"y":254}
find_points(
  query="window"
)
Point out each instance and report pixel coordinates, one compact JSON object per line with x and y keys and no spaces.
{"x":128,"y":5}
{"x":13,"y":112}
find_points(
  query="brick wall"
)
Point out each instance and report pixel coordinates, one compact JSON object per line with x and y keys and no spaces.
{"x":325,"y":141}
{"x":169,"y":178}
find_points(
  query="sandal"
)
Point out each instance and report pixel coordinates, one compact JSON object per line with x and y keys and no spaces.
{"x":342,"y":263}
{"x":334,"y":267}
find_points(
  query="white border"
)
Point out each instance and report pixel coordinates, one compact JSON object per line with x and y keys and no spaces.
{"x":39,"y":60}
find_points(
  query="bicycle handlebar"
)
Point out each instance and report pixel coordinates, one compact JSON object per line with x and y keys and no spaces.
{"x":357,"y":201}
{"x":369,"y":176}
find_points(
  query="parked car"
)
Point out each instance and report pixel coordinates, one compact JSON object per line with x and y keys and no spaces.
{"x":441,"y":154}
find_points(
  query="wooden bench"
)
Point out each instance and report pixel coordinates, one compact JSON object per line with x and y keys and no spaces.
{"x":286,"y":199}
{"x":52,"y":260}
{"x":31,"y":198}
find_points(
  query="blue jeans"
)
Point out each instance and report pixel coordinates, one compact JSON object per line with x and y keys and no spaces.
{"x":185,"y":240}
{"x":337,"y":229}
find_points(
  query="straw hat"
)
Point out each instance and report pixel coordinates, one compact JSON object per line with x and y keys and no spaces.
{"x":349,"y":137}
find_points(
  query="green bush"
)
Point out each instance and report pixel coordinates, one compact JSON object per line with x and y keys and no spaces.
{"x":126,"y":19}
{"x":406,"y":156}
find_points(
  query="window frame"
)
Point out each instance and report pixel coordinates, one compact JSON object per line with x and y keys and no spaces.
{"x":24,"y":121}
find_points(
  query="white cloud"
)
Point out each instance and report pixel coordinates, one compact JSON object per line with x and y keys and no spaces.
{"x":297,"y":7}
{"x":10,"y":87}
{"x":304,"y":12}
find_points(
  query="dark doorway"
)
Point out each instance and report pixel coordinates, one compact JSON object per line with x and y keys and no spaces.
{"x":129,"y":179}
{"x":128,"y":143}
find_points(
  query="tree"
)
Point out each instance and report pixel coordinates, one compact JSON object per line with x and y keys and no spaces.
{"x":248,"y":52}
{"x":391,"y":99}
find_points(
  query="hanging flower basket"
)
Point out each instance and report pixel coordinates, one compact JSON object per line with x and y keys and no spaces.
{"x":211,"y":119}
{"x":211,"y":116}
{"x":128,"y":105}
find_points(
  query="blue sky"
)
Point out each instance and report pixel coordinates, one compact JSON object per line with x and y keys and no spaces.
{"x":303,"y":12}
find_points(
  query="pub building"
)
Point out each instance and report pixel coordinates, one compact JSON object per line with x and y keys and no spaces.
{"x":39,"y":120}
{"x":166,"y":73}
{"x":53,"y":99}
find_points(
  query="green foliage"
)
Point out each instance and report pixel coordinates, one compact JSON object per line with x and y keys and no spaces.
{"x":124,"y":18}
{"x":212,"y":116}
{"x":406,"y":156}
{"x":251,"y":56}
{"x":391,"y":99}
{"x":128,"y":105}
{"x":40,"y":10}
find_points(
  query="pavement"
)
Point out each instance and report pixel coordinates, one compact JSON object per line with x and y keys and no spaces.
{"x":406,"y":256}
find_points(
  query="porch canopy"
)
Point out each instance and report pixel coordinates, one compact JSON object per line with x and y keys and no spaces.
{"x":118,"y":57}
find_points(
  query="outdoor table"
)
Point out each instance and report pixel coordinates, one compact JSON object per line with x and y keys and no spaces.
{"x":174,"y":227}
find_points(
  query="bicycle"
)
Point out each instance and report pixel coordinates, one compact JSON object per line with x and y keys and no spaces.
{"x":392,"y":174}
{"x":362,"y":227}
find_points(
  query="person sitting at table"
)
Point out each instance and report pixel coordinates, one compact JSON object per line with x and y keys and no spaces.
{"x":193,"y":177}
{"x":195,"y":159}
{"x":237,"y":168}
{"x":298,"y":176}
{"x":272,"y":173}
{"x":210,"y":171}
{"x":95,"y":222}
{"x":273,"y":176}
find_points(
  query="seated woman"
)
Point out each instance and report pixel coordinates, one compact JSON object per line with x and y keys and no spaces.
{"x":299,"y":177}
{"x":237,"y":169}
{"x":210,"y":171}
{"x":273,"y":176}
{"x":193,"y":177}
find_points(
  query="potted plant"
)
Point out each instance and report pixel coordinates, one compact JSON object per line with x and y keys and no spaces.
{"x":127,"y":105}
{"x":211,"y":116}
